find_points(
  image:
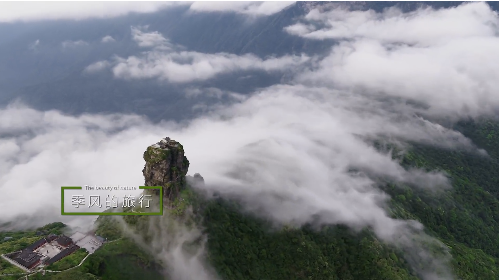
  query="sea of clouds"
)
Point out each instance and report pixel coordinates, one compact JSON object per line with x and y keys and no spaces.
{"x":292,"y":152}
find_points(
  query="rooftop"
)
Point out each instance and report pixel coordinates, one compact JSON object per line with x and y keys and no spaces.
{"x":65,"y":241}
{"x":27,"y":258}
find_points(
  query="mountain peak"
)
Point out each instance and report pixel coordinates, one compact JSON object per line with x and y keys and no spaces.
{"x":166,"y":166}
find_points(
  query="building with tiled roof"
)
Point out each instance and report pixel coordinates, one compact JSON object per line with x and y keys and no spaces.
{"x":64,"y":241}
{"x":27,"y":258}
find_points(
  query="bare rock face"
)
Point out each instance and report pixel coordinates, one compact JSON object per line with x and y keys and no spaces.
{"x":166,"y":166}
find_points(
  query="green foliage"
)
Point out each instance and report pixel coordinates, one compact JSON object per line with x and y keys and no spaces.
{"x":121,"y":259}
{"x":468,"y":212}
{"x":17,"y":244}
{"x":465,"y":216}
{"x":154,"y":155}
{"x":473,"y":263}
{"x":65,"y":275}
{"x":242,"y":247}
{"x":182,"y":202}
{"x":20,"y":240}
{"x":70,"y":261}
{"x":15,"y":236}
{"x":11,"y":277}
{"x":8,"y":268}
{"x":108,"y":227}
{"x":55,"y":228}
{"x":485,"y":134}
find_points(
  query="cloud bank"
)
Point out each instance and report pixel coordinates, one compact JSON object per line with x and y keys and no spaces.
{"x":37,"y":11}
{"x":42,"y":151}
{"x":296,"y":152}
{"x":423,"y":27}
{"x":443,"y":59}
{"x":168,"y":62}
{"x":187,"y":66}
{"x":264,"y":8}
{"x":288,"y":153}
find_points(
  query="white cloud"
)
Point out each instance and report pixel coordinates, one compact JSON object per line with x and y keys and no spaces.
{"x":185,"y":66}
{"x":36,"y":11}
{"x":444,"y":58}
{"x":248,"y":8}
{"x":299,"y":141}
{"x":287,"y":152}
{"x":73,"y":44}
{"x":300,"y":29}
{"x":108,"y":39}
{"x":149,"y":39}
{"x":57,"y":150}
{"x":422,"y":27}
{"x":168,"y":62}
{"x":213,"y":93}
{"x":97,"y":66}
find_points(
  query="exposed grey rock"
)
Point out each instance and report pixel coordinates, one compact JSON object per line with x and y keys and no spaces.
{"x":166,"y":166}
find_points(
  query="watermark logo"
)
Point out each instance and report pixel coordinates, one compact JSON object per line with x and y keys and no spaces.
{"x":143,"y":202}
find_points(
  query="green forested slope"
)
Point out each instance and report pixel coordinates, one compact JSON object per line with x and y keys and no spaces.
{"x":469,"y":212}
{"x":465,"y":218}
{"x":242,"y":247}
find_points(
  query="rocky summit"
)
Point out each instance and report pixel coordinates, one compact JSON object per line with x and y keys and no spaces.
{"x":166,"y":166}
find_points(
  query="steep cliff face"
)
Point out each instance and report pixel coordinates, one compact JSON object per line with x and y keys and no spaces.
{"x":166,"y":166}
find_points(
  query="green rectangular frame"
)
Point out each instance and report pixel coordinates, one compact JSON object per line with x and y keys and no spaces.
{"x":160,"y":213}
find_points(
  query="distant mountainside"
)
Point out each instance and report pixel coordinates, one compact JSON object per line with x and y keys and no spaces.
{"x":50,"y":76}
